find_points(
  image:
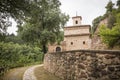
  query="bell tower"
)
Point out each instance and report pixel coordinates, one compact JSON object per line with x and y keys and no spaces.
{"x":76,"y":20}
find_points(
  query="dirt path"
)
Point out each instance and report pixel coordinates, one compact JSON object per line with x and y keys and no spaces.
{"x":29,"y":73}
{"x":35,"y":72}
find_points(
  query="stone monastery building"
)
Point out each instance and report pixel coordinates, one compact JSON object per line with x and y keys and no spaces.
{"x":75,"y":37}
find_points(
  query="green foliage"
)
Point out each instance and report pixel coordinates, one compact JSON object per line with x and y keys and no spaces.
{"x":13,"y":38}
{"x":17,"y":9}
{"x":60,"y":37}
{"x":2,"y":37}
{"x":45,"y":24}
{"x":118,"y":4}
{"x":95,"y":23}
{"x":109,"y":6}
{"x":110,"y":36}
{"x":15,"y":55}
{"x":109,"y":16}
{"x":110,"y":32}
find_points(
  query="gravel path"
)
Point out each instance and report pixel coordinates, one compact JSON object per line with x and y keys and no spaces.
{"x":29,"y":73}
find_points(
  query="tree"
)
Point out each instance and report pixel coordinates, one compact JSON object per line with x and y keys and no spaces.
{"x":109,"y":6}
{"x":45,"y":24}
{"x":118,"y":3}
{"x":17,"y":9}
{"x":95,"y":23}
{"x":111,"y":36}
{"x":13,"y":38}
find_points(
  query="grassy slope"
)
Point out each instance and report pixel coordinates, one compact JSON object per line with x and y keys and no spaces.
{"x":41,"y":74}
{"x":15,"y":74}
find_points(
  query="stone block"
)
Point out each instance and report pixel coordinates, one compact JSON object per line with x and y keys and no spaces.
{"x":110,"y":56}
{"x":83,"y":75}
{"x":114,"y":77}
{"x":117,"y":68}
{"x":104,"y":72}
{"x":107,"y":61}
{"x":111,"y":69}
{"x":81,"y":66}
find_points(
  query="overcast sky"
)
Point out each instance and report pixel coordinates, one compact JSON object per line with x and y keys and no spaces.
{"x":88,"y":9}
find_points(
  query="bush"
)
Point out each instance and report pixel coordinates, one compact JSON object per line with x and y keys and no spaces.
{"x":16,"y":55}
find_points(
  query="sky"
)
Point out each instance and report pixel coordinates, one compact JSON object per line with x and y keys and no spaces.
{"x":87,"y":9}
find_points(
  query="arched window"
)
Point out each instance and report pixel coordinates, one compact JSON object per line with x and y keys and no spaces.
{"x":58,"y":49}
{"x":76,"y":22}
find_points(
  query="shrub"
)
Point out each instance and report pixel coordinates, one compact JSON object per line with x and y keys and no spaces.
{"x":16,"y":55}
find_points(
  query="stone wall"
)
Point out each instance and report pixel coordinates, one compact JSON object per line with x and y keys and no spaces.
{"x":73,"y":30}
{"x":84,"y":64}
{"x":78,"y":42}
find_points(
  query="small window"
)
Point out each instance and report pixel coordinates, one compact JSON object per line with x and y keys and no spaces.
{"x":83,"y":42}
{"x":71,"y":43}
{"x":76,"y":22}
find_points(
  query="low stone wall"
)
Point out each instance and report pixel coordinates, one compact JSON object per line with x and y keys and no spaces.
{"x":84,"y":64}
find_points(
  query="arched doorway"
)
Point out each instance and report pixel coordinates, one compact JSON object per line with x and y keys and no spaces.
{"x":58,"y":49}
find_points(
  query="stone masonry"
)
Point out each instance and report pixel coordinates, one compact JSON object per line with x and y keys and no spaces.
{"x":76,"y":37}
{"x":84,"y":64}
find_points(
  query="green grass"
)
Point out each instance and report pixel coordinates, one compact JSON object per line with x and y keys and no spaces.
{"x":42,"y":74}
{"x":15,"y":74}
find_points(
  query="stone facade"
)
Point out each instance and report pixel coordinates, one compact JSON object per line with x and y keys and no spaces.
{"x":84,"y":64}
{"x":75,"y":37}
{"x":55,"y":46}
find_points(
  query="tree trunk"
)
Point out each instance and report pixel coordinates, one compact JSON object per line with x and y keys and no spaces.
{"x":44,"y":49}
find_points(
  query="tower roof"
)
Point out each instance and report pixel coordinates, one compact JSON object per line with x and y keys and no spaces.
{"x":77,"y":17}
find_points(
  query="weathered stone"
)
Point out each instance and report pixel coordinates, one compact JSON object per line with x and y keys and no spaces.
{"x":83,"y":79}
{"x":111,"y":68}
{"x":117,"y":68}
{"x":104,"y":72}
{"x":118,"y":74}
{"x":89,"y":58}
{"x":114,"y":77}
{"x":89,"y":69}
{"x":109,"y":56}
{"x":83,"y":75}
{"x":116,"y":61}
{"x":107,"y":61}
{"x":105,"y":78}
{"x":102,"y":66}
{"x":91,"y":78}
{"x":81,"y":66}
{"x":89,"y":65}
{"x":83,"y":57}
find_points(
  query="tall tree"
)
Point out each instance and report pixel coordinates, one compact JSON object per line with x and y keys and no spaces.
{"x":109,"y":6}
{"x":45,"y":24}
{"x":118,"y":4}
{"x":17,"y":9}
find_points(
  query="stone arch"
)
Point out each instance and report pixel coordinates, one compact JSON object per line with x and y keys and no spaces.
{"x":58,"y":49}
